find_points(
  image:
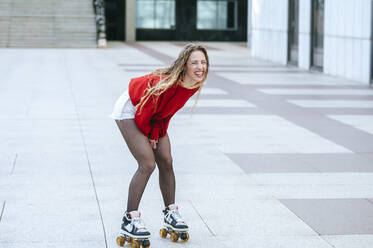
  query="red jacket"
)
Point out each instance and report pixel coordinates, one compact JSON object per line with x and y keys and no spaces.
{"x":155,"y":115}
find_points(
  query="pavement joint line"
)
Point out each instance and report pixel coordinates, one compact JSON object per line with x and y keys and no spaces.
{"x":2,"y":211}
{"x":85,"y":150}
{"x":14,"y":164}
{"x":327,"y":241}
{"x":208,"y":227}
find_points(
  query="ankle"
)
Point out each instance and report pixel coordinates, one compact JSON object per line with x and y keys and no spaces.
{"x":172,"y":206}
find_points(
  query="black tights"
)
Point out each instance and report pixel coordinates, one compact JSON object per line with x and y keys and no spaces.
{"x":147,"y":159}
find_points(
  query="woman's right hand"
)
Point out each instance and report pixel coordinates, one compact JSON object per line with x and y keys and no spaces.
{"x":153,"y":143}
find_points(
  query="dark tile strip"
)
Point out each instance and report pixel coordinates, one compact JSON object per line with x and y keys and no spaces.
{"x":323,"y":97}
{"x":344,"y":111}
{"x":302,"y":163}
{"x":152,"y":52}
{"x":256,"y":71}
{"x":224,"y":70}
{"x":2,"y":211}
{"x":212,"y":97}
{"x":271,"y":163}
{"x":223,"y":111}
{"x":14,"y":164}
{"x":305,"y":86}
{"x":145,"y":65}
{"x":248,"y":66}
{"x":212,"y":66}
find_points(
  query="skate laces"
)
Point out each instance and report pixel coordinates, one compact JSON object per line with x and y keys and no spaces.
{"x":139,"y":224}
{"x":175,"y":214}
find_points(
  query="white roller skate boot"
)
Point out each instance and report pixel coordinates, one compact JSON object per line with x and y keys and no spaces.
{"x":133,"y":231}
{"x":174,"y":224}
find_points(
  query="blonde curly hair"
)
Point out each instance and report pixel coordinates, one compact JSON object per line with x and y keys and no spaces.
{"x":174,"y":74}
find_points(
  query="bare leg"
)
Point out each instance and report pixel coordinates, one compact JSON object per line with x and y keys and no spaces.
{"x":140,"y":148}
{"x":166,"y":173}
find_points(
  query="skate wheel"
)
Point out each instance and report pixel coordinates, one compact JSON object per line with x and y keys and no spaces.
{"x":121,"y":241}
{"x":135,"y":244}
{"x":184,"y":237}
{"x":146,"y":243}
{"x":130,"y":241}
{"x":174,"y":237}
{"x":163,"y":233}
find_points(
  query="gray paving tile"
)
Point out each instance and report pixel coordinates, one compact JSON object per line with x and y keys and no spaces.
{"x":341,"y":162}
{"x":223,"y":111}
{"x":271,"y":163}
{"x":344,"y":111}
{"x":334,"y":216}
{"x":285,"y":163}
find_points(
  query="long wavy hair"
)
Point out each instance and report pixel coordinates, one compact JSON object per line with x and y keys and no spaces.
{"x":174,"y":75}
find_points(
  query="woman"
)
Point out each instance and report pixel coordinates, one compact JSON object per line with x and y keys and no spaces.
{"x":142,"y":115}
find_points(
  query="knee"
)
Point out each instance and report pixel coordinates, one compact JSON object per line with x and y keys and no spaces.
{"x":147,"y":167}
{"x":165,"y":163}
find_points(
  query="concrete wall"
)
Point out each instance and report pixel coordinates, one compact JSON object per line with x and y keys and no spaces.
{"x":348,"y":39}
{"x":270,"y":30}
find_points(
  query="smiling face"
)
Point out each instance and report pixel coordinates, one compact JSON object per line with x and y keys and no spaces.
{"x":195,"y":68}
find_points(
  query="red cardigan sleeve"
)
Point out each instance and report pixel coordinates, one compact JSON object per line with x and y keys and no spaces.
{"x":146,"y":119}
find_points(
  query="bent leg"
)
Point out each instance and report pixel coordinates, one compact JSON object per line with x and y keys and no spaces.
{"x":140,"y":148}
{"x":166,"y":173}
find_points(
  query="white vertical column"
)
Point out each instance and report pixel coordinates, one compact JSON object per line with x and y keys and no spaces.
{"x":270,"y":30}
{"x":347,"y":50}
{"x":130,"y":20}
{"x":249,"y":14}
{"x":304,"y":60}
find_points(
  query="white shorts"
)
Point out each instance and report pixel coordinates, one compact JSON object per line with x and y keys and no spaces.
{"x":123,"y":108}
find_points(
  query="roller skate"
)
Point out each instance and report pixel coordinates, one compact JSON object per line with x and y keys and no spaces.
{"x":174,"y":224}
{"x":133,"y":231}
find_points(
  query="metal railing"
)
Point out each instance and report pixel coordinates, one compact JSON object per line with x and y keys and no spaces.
{"x":99,"y":7}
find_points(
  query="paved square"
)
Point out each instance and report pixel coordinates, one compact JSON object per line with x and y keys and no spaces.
{"x":65,"y":168}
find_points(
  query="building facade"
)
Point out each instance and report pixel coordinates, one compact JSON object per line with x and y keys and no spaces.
{"x":333,"y":36}
{"x":173,"y":20}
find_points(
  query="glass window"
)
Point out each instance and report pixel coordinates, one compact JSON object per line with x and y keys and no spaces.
{"x":155,"y":14}
{"x":217,"y":14}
